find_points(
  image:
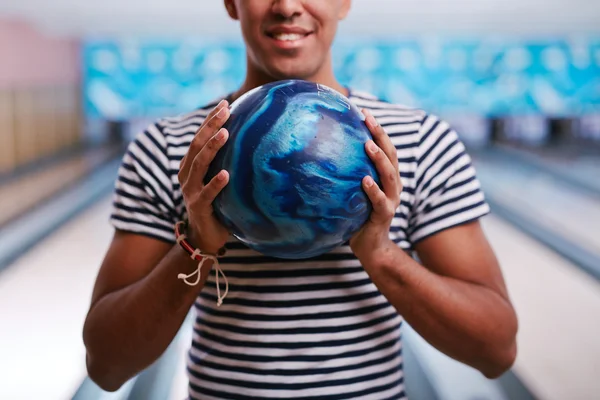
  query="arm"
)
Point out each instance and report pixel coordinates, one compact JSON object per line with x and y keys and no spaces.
{"x":457,"y":299}
{"x":138,"y":305}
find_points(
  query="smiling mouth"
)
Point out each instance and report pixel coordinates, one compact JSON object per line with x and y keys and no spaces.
{"x":288,"y":37}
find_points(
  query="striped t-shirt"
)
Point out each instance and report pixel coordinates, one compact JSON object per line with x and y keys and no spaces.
{"x":309,"y":329}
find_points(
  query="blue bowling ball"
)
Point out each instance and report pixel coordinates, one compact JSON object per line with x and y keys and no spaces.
{"x":296,"y":158}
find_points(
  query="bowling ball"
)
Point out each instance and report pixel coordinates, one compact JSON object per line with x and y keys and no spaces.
{"x":296,"y":158}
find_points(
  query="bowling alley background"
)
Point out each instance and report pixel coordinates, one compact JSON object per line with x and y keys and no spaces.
{"x":518,"y":80}
{"x":486,"y":76}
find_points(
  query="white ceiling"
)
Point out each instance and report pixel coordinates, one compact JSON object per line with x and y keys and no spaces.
{"x":376,"y":17}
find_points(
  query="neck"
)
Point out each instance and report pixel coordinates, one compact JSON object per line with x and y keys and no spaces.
{"x":256,"y":77}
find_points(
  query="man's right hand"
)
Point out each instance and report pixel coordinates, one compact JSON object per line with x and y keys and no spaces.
{"x":204,"y":230}
{"x":138,"y":304}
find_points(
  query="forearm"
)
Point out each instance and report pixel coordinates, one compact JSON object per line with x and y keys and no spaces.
{"x":127,"y":330}
{"x":466,"y":321}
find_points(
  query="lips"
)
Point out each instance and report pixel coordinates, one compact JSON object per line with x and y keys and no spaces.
{"x":288,"y":33}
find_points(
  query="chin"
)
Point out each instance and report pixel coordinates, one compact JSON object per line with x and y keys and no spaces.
{"x":291,"y":73}
{"x":290,"y":69}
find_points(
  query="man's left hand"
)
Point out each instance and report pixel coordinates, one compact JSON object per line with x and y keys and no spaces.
{"x":373,"y":238}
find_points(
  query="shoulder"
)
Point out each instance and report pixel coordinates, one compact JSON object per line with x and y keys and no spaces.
{"x":180,"y":126}
{"x":383,"y":108}
{"x":427,"y":129}
{"x":395,"y":118}
{"x":408,"y":127}
{"x":155,"y":148}
{"x":164,"y":134}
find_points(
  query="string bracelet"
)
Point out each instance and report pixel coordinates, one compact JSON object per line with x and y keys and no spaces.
{"x":198,"y":255}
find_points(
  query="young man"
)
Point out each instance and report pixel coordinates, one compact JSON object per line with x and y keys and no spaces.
{"x":324,"y":328}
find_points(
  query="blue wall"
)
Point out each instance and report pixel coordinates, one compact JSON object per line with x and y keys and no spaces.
{"x":487,"y":77}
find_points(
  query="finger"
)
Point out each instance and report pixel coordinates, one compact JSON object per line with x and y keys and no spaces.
{"x":203,"y":159}
{"x":381,"y":210}
{"x":213,"y":122}
{"x":381,"y":138}
{"x":387,"y":173}
{"x":211,"y":191}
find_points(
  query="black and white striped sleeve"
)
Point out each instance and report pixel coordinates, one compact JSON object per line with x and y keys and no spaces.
{"x":447,"y":191}
{"x":143,"y":197}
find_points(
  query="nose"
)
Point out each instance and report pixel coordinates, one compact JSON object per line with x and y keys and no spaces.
{"x":287,"y":8}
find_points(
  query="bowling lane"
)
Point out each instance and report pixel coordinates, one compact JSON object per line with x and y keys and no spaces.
{"x":44,"y":297}
{"x":17,"y":196}
{"x":558,"y":307}
{"x":577,"y":164}
{"x":539,"y":198}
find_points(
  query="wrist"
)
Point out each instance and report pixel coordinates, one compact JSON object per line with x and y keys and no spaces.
{"x":381,"y":255}
{"x":196,"y":239}
{"x":202,"y":257}
{"x":390,"y":267}
{"x":370,"y":243}
{"x":189,"y":244}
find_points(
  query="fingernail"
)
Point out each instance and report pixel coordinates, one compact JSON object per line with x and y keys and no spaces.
{"x":373,"y":148}
{"x":369,"y":181}
{"x":221,"y":176}
{"x":221,"y":135}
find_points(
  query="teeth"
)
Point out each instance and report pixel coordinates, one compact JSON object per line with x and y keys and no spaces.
{"x":288,"y":37}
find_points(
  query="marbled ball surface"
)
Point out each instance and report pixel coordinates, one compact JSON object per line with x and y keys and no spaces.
{"x":296,"y":158}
